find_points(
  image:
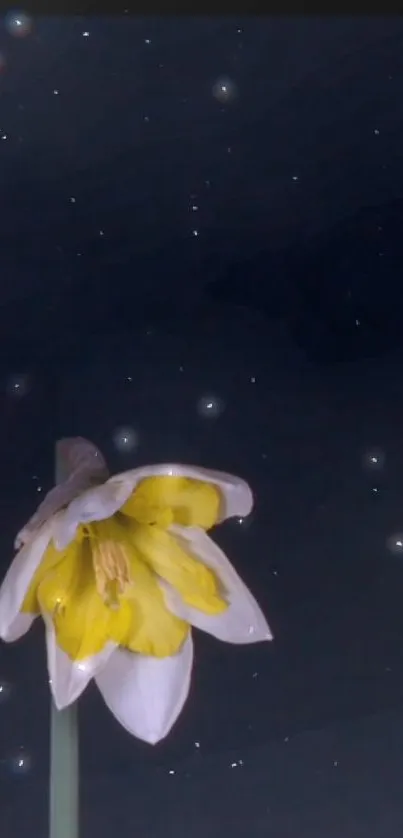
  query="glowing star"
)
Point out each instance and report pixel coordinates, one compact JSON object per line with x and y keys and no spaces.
{"x":120,"y":569}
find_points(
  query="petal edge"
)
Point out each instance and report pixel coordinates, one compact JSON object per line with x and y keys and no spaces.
{"x":145,"y":694}
{"x":16,"y":583}
{"x":68,"y":679}
{"x":243,"y":621}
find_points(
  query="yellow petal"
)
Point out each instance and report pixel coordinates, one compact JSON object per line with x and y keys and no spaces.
{"x":83,"y":622}
{"x":153,"y":629}
{"x":50,"y":560}
{"x":196,"y":583}
{"x":181,"y":500}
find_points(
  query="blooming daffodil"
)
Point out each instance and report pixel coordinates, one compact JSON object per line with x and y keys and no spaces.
{"x":120,"y":569}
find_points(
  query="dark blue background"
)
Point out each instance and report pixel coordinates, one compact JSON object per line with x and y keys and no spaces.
{"x":286,"y":308}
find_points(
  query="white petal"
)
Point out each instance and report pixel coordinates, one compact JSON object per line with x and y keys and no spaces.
{"x":93,"y":505}
{"x":147,"y":694}
{"x":243,"y":621}
{"x":68,"y":679}
{"x":103,"y":501}
{"x":20,"y":626}
{"x":16,"y":583}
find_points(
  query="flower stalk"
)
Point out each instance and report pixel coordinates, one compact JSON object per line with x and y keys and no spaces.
{"x":64,"y":777}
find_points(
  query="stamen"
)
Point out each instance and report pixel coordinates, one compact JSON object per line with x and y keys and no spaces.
{"x":112,"y":571}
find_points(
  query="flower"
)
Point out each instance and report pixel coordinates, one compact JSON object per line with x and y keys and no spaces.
{"x":119,"y":573}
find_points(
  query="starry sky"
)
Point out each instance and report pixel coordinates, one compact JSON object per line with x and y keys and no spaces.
{"x":201,"y":255}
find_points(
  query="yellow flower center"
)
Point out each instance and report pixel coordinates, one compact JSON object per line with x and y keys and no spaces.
{"x":112,"y":571}
{"x":106,"y":585}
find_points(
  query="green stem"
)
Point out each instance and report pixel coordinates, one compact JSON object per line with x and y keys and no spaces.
{"x":64,"y":760}
{"x":64,"y":773}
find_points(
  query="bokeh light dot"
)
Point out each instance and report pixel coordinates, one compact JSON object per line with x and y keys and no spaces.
{"x":242,"y":522}
{"x":374,"y":459}
{"x":5,"y":690}
{"x":18,"y":385}
{"x":125,"y":439}
{"x":224,"y":90}
{"x":210,"y":406}
{"x":18,"y":24}
{"x":19,"y":764}
{"x":395,"y":544}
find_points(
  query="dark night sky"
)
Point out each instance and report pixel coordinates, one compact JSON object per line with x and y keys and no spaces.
{"x":198,"y":210}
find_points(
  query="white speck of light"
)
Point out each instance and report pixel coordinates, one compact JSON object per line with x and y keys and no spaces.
{"x":195,"y":233}
{"x":73,"y":200}
{"x":197,"y":744}
{"x":210,"y":406}
{"x":194,"y":208}
{"x":146,"y":119}
{"x":101,"y":233}
{"x":358,"y":322}
{"x":125,"y":439}
{"x":20,"y":763}
{"x":295,"y":178}
{"x":18,"y":24}
{"x":373,"y":459}
{"x":181,"y":369}
{"x":129,"y":378}
{"x":395,"y":544}
{"x":55,"y":92}
{"x":5,"y":691}
{"x":4,"y":136}
{"x":253,"y":380}
{"x":86,"y":34}
{"x":147,"y":41}
{"x":376,"y":131}
{"x":18,"y":385}
{"x":224,"y":90}
{"x":172,"y":771}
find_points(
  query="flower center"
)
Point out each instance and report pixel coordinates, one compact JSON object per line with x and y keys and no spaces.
{"x":111,"y":569}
